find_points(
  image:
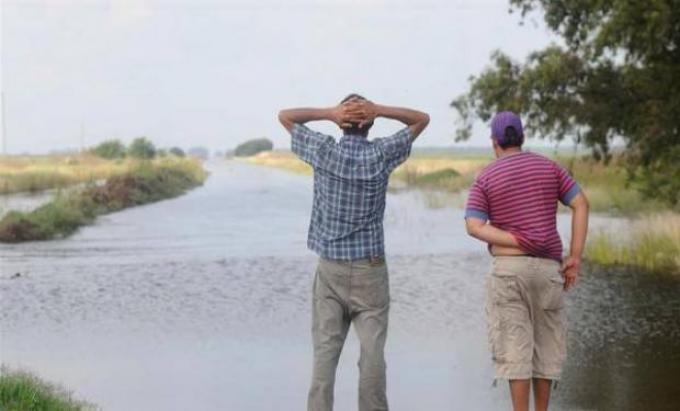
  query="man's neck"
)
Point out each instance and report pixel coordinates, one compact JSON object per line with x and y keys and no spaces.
{"x":509,"y":151}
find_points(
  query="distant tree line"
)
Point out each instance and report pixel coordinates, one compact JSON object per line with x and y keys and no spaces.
{"x":140,"y":147}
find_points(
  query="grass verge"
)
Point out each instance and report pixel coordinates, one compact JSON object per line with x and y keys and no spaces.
{"x":37,"y":173}
{"x":22,"y":391}
{"x":653,"y":246}
{"x":144,"y":183}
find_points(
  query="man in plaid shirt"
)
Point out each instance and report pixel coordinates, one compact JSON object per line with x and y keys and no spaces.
{"x":346,"y":231}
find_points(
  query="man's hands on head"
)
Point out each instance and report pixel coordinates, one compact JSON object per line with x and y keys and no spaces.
{"x":356,"y":112}
{"x":361,"y":112}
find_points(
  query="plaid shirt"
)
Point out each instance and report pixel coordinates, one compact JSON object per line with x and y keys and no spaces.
{"x":350,"y":183}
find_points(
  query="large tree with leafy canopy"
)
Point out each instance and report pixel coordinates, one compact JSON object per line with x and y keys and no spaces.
{"x":616,"y":76}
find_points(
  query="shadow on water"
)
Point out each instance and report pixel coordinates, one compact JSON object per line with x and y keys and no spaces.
{"x":184,"y":304}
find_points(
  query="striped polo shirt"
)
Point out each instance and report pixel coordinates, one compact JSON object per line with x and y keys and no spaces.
{"x":518,"y":193}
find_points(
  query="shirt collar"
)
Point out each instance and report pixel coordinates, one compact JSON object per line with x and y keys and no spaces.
{"x":354,"y":138}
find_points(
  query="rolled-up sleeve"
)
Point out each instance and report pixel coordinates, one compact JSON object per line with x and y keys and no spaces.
{"x":396,"y":148}
{"x":306,"y":143}
{"x":569,"y":188}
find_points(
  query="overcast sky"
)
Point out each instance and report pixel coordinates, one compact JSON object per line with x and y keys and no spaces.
{"x":215,"y":73}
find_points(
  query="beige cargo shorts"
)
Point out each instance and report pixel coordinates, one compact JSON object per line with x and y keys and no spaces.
{"x":526,"y":318}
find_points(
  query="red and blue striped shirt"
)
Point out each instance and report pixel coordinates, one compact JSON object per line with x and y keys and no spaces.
{"x":518,"y":193}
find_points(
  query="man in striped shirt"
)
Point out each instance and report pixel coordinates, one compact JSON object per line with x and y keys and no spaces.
{"x":512,"y":206}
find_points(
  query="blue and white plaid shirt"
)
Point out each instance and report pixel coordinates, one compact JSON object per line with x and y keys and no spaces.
{"x":350,"y":183}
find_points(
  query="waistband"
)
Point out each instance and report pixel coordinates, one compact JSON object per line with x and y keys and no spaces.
{"x":375,"y":261}
{"x":525,"y":260}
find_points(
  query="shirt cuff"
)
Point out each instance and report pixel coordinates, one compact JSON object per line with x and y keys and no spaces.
{"x":569,"y":195}
{"x":472,"y":213}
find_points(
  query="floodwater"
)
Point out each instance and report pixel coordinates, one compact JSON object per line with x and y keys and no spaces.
{"x":202,"y":303}
{"x":24,"y":201}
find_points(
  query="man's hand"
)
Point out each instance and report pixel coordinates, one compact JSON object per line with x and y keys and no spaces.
{"x":341,"y":116}
{"x":571,"y":267}
{"x":361,"y":112}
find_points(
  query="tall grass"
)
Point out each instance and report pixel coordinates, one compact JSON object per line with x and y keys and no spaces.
{"x":652,"y":245}
{"x":443,"y":173}
{"x":608,"y":188}
{"x":22,"y":391}
{"x":145,"y":183}
{"x":280,"y":159}
{"x":36,"y":173}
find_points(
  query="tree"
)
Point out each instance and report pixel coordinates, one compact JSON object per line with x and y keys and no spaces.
{"x":176,"y":151}
{"x":252,"y":147}
{"x":615,"y":77}
{"x":109,"y":149}
{"x":142,"y":148}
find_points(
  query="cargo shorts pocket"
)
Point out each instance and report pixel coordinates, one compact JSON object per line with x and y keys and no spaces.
{"x":504,"y":318}
{"x":553,"y":296}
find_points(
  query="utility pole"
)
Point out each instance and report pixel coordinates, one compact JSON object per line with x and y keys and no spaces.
{"x":82,"y":136}
{"x":2,"y":119}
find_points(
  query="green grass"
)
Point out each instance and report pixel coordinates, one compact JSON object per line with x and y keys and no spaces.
{"x":147,"y":182}
{"x":448,"y":179}
{"x":608,"y":188}
{"x":22,"y":391}
{"x":653,"y":245}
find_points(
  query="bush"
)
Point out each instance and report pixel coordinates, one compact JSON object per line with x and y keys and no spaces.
{"x":109,"y":149}
{"x":141,"y":147}
{"x":252,"y":147}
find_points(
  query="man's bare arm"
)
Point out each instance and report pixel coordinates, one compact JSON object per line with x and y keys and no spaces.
{"x":480,"y":230}
{"x":367,"y":111}
{"x":337,"y":114}
{"x":579,"y":229}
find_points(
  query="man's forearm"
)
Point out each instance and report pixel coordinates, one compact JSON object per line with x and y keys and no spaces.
{"x":293,"y":116}
{"x":492,"y":235}
{"x":579,"y":225}
{"x":416,"y":120}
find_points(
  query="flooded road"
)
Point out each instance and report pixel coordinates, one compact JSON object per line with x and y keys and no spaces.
{"x":202,"y":303}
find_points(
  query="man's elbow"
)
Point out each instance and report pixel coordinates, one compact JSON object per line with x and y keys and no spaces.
{"x":471,"y":229}
{"x":581,"y":202}
{"x":282,"y":117}
{"x":285,"y":121}
{"x":424,"y":120}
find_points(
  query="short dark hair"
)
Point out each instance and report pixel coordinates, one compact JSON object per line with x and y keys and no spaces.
{"x":355,"y":129}
{"x":511,"y":138}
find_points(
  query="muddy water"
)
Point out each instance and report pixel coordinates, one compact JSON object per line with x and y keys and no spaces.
{"x":202,"y":303}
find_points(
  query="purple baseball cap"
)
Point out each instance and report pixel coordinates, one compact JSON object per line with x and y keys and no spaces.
{"x":503,"y":120}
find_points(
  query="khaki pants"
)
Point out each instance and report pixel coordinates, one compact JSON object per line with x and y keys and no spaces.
{"x":350,"y":292}
{"x":526,"y":318}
